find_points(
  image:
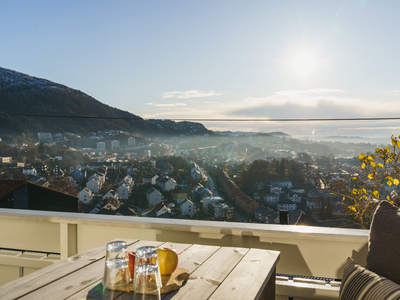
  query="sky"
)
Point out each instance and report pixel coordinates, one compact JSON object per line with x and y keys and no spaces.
{"x":219,"y":59}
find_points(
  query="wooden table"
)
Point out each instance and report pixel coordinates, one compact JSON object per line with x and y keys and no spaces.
{"x":215,"y":273}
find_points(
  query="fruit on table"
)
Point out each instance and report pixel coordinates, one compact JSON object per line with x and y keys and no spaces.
{"x":167,"y":260}
{"x":132,"y":262}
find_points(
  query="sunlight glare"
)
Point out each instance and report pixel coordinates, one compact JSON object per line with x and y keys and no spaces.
{"x":303,"y":64}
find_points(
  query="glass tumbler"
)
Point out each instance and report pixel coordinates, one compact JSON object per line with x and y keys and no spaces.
{"x":147,"y":280}
{"x":116,"y":271}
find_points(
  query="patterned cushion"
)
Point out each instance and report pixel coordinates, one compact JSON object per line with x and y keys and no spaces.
{"x":384,"y":242}
{"x":360,"y":283}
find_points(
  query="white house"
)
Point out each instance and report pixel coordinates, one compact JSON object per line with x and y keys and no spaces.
{"x":296,"y":198}
{"x":282,"y":183}
{"x":110,"y":194}
{"x":196,"y":175}
{"x":161,"y":208}
{"x":276,"y":189}
{"x":128,"y":180}
{"x":94,"y":183}
{"x":153,"y":196}
{"x":271,"y":198}
{"x":29,"y":170}
{"x":166,"y":184}
{"x":85,"y":196}
{"x":150,"y":178}
{"x":124,"y":191}
{"x":286,"y":204}
{"x":220,"y":210}
{"x":187,"y":208}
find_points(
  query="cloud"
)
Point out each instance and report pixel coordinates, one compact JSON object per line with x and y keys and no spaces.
{"x":302,"y":97}
{"x":391,"y":92}
{"x":166,"y":104}
{"x":191,"y":94}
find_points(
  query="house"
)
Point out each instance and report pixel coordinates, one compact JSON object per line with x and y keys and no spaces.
{"x":220,"y":210}
{"x":149,"y":179}
{"x":166,"y":184}
{"x":313,"y":204}
{"x":187,"y":208}
{"x":5,"y":159}
{"x":94,"y":183}
{"x":85,"y":196}
{"x":296,"y":198}
{"x":128,"y":180}
{"x":282,"y":183}
{"x":29,"y":170}
{"x":259,"y":185}
{"x":276,"y":189}
{"x":40,"y":166}
{"x":256,"y":196}
{"x":196,"y":175}
{"x":161,"y":208}
{"x":286,"y":204}
{"x":124,"y":191}
{"x":153,"y":196}
{"x":265,"y":215}
{"x":195,"y":171}
{"x":23,"y":194}
{"x":110,"y":195}
{"x":79,"y":174}
{"x":271,"y":198}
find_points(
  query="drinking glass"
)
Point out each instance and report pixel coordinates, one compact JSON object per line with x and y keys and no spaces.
{"x":116,"y":271}
{"x":147,"y":280}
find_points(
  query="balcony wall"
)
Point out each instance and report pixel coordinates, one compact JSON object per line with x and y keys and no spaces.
{"x":313,"y":251}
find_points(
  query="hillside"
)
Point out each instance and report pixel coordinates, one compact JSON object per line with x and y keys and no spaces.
{"x":26,"y":103}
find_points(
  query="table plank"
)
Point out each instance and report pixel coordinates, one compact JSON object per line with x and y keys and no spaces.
{"x":245,"y":281}
{"x":36,"y":280}
{"x":191,"y":258}
{"x":91,"y":289}
{"x":206,"y":279}
{"x":195,"y":256}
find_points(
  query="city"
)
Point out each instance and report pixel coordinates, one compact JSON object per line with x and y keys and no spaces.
{"x":217,"y":177}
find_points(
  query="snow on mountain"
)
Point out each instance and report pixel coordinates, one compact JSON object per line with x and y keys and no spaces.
{"x":10,"y":78}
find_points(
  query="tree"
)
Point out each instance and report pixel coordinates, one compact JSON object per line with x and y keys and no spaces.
{"x":361,"y":192}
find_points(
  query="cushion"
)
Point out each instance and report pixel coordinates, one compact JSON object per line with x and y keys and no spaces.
{"x":360,"y":283}
{"x":384,"y":242}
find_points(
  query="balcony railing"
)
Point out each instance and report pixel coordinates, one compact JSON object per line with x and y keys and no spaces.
{"x":30,"y":240}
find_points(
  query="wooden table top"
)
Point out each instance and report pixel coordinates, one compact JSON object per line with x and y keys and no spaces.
{"x":215,"y":273}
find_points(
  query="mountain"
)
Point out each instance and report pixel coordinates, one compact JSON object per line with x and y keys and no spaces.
{"x":30,"y":104}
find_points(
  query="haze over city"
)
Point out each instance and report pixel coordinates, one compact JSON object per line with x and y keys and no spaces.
{"x":219,"y":59}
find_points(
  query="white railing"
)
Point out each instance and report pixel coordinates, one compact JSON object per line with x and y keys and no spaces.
{"x":312,"y":251}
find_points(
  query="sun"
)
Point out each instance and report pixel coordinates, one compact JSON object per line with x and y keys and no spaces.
{"x":303,"y":64}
